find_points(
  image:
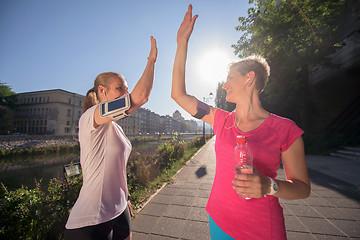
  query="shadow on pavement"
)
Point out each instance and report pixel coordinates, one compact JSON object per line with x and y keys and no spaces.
{"x":335,"y":184}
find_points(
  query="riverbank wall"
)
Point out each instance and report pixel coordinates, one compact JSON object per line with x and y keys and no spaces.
{"x":12,"y":142}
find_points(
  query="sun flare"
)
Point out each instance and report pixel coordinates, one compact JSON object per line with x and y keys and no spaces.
{"x":213,"y":65}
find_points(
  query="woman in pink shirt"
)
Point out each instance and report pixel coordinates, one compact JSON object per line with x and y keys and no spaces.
{"x":273,"y":140}
{"x":102,"y":209}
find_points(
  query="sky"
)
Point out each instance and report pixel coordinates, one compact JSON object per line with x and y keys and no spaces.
{"x":65,"y":44}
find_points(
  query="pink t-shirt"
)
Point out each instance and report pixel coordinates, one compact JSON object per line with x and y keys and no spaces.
{"x":104,"y":153}
{"x":254,"y":218}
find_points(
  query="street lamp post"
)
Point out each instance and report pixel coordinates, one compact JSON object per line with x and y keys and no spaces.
{"x":205,"y":100}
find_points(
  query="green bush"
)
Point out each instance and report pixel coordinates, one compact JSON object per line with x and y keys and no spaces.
{"x":38,"y":214}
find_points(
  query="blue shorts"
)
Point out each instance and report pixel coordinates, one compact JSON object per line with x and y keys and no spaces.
{"x":216,"y":233}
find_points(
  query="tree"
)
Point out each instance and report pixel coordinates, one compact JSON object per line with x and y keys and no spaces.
{"x":296,"y":37}
{"x":7,"y":102}
{"x":220,"y":99}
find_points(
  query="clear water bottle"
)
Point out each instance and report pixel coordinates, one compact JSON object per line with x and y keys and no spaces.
{"x":243,"y":157}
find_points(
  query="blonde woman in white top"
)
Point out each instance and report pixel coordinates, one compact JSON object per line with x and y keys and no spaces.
{"x":102,"y":210}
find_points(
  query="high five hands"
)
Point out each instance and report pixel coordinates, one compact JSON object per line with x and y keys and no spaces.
{"x":186,"y":26}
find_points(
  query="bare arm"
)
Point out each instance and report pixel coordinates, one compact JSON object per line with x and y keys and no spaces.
{"x":178,"y":90}
{"x":297,"y":184}
{"x":142,"y":89}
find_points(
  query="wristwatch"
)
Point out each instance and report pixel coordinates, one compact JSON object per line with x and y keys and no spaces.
{"x":273,"y":186}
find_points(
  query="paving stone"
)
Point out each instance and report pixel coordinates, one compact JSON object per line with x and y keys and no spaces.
{"x":203,"y":193}
{"x":176,"y":211}
{"x":169,"y":227}
{"x":138,"y":236}
{"x":205,"y":186}
{"x":196,"y":231}
{"x":329,"y":237}
{"x":159,"y":237}
{"x":187,"y":192}
{"x":320,"y":225}
{"x":191,"y":185}
{"x":160,"y":198}
{"x":154,"y":209}
{"x":143,"y":223}
{"x":353,"y":212}
{"x":182,"y":200}
{"x":168,"y":191}
{"x":329,"y":193}
{"x":299,"y":236}
{"x":351,"y":228}
{"x":198,"y":214}
{"x":292,"y":223}
{"x":338,"y":213}
{"x":199,"y":202}
{"x":318,"y":201}
{"x":303,"y":211}
{"x":345,"y":202}
{"x":286,"y":210}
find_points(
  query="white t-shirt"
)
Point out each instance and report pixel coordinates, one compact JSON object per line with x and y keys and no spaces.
{"x":104,"y":153}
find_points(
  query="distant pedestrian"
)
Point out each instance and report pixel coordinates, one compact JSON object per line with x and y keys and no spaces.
{"x":273,"y":140}
{"x":102,"y":210}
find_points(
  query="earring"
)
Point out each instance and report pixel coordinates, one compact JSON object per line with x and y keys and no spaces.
{"x":104,"y":93}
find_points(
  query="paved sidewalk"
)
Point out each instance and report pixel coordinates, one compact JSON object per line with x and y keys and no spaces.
{"x":332,"y":211}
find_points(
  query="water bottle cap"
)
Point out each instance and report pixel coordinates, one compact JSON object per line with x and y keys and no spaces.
{"x":241,"y":140}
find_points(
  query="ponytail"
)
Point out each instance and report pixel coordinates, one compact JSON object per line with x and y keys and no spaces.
{"x":90,"y":100}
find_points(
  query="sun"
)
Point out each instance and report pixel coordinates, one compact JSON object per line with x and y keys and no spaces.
{"x":213,"y":65}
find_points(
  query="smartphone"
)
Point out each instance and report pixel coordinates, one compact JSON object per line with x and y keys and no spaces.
{"x":115,"y":108}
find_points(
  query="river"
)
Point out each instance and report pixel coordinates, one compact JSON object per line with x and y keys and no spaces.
{"x":27,"y":170}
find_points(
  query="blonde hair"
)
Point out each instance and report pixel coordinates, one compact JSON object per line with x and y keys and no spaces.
{"x":103,"y":79}
{"x":255,"y":63}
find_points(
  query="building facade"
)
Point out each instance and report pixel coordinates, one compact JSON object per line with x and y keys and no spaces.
{"x":50,"y":112}
{"x":57,"y":112}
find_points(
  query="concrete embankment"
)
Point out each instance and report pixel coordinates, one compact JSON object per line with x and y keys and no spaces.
{"x":11,"y":142}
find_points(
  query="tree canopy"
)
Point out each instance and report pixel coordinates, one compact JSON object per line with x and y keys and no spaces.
{"x":296,"y":37}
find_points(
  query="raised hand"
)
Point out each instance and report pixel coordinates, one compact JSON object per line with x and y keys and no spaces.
{"x":186,"y":26}
{"x":153,"y":52}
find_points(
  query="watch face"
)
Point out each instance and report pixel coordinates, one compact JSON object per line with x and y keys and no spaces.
{"x":274,"y":185}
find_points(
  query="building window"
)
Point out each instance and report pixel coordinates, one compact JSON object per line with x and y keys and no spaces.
{"x":80,"y":103}
{"x":43,"y":99}
{"x":68,"y":123}
{"x":69,"y":101}
{"x":68,"y":112}
{"x":67,"y":130}
{"x":48,"y":99}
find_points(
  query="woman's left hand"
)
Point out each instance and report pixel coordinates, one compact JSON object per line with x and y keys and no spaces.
{"x":253,"y":185}
{"x":130,"y":208}
{"x":153,"y":52}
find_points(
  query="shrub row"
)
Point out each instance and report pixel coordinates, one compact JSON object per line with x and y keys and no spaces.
{"x":37,"y":214}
